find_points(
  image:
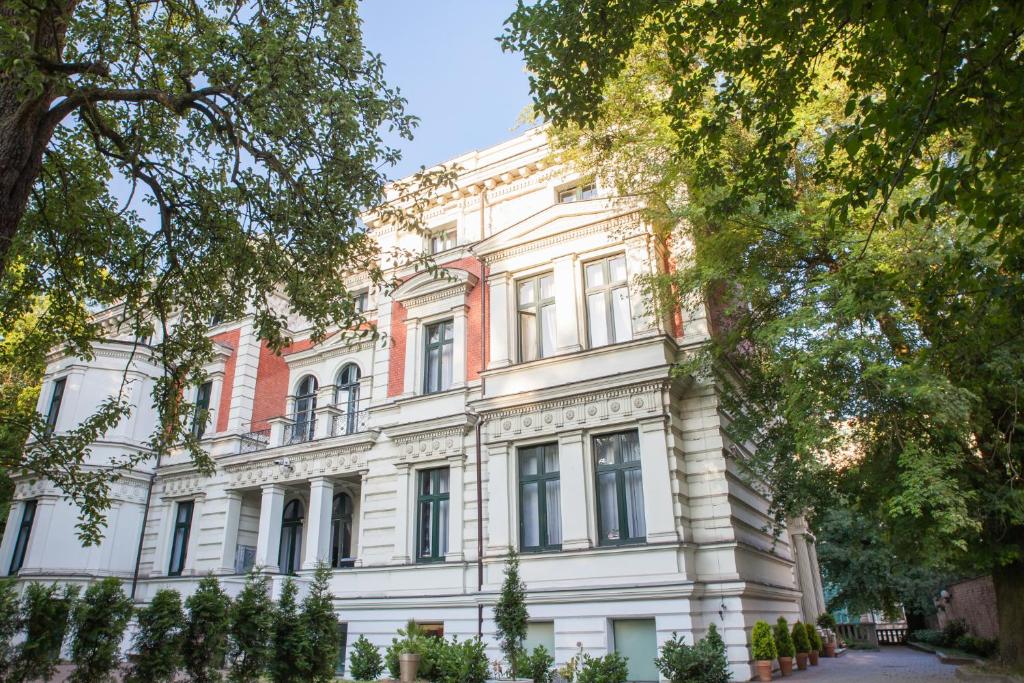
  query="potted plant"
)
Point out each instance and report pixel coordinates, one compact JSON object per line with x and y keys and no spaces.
{"x":784,"y":646}
{"x":763,"y":649}
{"x":802,"y":645}
{"x":828,"y":622}
{"x":816,"y":644}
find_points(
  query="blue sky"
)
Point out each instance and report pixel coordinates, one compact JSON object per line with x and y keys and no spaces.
{"x":443,"y":56}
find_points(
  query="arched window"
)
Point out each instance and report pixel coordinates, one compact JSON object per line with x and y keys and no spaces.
{"x":305,"y":409}
{"x":290,"y":557}
{"x":346,"y":398}
{"x":341,"y":531}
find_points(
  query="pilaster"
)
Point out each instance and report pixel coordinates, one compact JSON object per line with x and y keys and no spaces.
{"x":571,"y":464}
{"x":318,"y":522}
{"x":659,"y":514}
{"x":268,"y":539}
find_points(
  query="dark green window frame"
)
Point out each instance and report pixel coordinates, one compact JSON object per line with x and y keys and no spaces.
{"x":56,"y":398}
{"x":290,"y":551}
{"x":542,"y":478}
{"x":445,"y":337}
{"x":179,"y":536}
{"x":28,"y":515}
{"x":433,"y":478}
{"x":619,"y":469}
{"x":202,"y":410}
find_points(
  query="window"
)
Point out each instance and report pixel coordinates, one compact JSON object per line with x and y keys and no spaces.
{"x":540,"y":510}
{"x":362,"y":301}
{"x":439,"y":345}
{"x":432,"y":513}
{"x":536,"y":304}
{"x":339,"y":668}
{"x":341,"y":531}
{"x":245,"y":558}
{"x":346,"y":398}
{"x":608,"y":310}
{"x":179,"y":537}
{"x":55,"y":399}
{"x":637,"y":640}
{"x":305,"y":410}
{"x":577,"y":193}
{"x":441,"y":240}
{"x":24,"y":529}
{"x":540,"y":633}
{"x":290,"y":556}
{"x":433,"y":629}
{"x":620,"y":491}
{"x":202,"y":408}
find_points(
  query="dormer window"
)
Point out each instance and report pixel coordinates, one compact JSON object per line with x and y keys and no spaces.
{"x":577,"y":193}
{"x":441,"y":239}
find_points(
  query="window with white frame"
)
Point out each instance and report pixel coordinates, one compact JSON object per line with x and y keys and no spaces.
{"x":609,"y":317}
{"x":577,"y":193}
{"x":438,"y":353}
{"x":179,"y":536}
{"x":536,"y":306}
{"x":362,"y":301}
{"x":441,"y":239}
{"x":56,"y":398}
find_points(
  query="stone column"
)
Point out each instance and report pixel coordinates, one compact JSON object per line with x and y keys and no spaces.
{"x":575,"y":503}
{"x":412,"y":354}
{"x":659,"y":511}
{"x":808,"y":603}
{"x":358,"y":531}
{"x":819,"y":593}
{"x":567,"y":331}
{"x":14,"y":516}
{"x":499,"y":537}
{"x":268,"y":541}
{"x":35,"y":553}
{"x":499,"y":311}
{"x":459,"y":346}
{"x":318,"y":522}
{"x":456,"y":507}
{"x":229,"y":532}
{"x":401,"y":555}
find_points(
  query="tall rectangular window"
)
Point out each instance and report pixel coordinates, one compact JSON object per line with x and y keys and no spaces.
{"x":179,"y":537}
{"x":432,"y":515}
{"x":536,"y":304}
{"x":440,"y":342}
{"x":540,"y":509}
{"x":202,"y":407}
{"x":442,"y":240}
{"x":55,"y":400}
{"x":609,"y":319}
{"x":24,"y":530}
{"x":620,"y":488}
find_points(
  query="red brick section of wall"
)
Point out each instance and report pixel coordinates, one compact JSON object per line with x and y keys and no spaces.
{"x":974,"y":601}
{"x":474,"y":330}
{"x":229,"y":339}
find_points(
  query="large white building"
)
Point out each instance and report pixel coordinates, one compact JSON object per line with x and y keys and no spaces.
{"x":526,"y":400}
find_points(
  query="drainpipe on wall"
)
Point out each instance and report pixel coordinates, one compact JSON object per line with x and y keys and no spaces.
{"x":484,"y":323}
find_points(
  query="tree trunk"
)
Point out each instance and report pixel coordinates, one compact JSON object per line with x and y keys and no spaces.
{"x":1009,"y":585}
{"x":21,"y":160}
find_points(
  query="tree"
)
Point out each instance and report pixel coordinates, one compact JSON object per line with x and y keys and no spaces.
{"x":158,"y":639}
{"x":783,"y":639}
{"x":289,"y":641}
{"x":206,"y":631}
{"x":179,"y":165}
{"x":510,"y":615}
{"x":98,"y":622}
{"x":321,"y":630}
{"x":365,"y":663}
{"x":833,"y":183}
{"x":251,"y":630}
{"x":10,"y":625}
{"x":45,"y":612}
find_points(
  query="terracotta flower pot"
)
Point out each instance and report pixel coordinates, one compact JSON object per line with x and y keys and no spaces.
{"x":764,"y":670}
{"x":830,"y":649}
{"x":813,"y":654}
{"x":801,"y":660}
{"x":786,"y":665}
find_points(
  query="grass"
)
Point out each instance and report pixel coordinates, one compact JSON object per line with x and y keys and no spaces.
{"x":950,"y":651}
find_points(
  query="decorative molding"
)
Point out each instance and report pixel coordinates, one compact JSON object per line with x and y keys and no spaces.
{"x":581,"y":411}
{"x":608,"y":225}
{"x":349,"y":459}
{"x":316,"y":355}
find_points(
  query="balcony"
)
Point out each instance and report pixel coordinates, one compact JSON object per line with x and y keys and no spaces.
{"x":327,"y":422}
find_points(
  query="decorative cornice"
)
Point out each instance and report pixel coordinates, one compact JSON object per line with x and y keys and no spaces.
{"x":349,"y":459}
{"x":608,"y":225}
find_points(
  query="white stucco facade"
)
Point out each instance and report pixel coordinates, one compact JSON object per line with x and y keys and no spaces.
{"x":662,"y":535}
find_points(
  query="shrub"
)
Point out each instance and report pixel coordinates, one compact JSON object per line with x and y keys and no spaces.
{"x":45,"y":614}
{"x":983,"y":647}
{"x":365,"y":663}
{"x":705,"y":662}
{"x":289,"y":642}
{"x":320,"y":628}
{"x":413,"y":640}
{"x":800,"y":640}
{"x":783,"y":640}
{"x":608,"y":669}
{"x":251,"y":627}
{"x":206,"y":631}
{"x":464,"y":662}
{"x":814,"y":637}
{"x":927,"y":636}
{"x":538,"y":665}
{"x":952,"y":631}
{"x":157,"y":642}
{"x":826,"y":620}
{"x":763,"y":642}
{"x":98,"y":622}
{"x":10,"y":624}
{"x":510,"y":615}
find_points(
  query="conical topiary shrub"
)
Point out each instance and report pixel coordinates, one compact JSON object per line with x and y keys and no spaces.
{"x":762,"y":646}
{"x":784,"y":645}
